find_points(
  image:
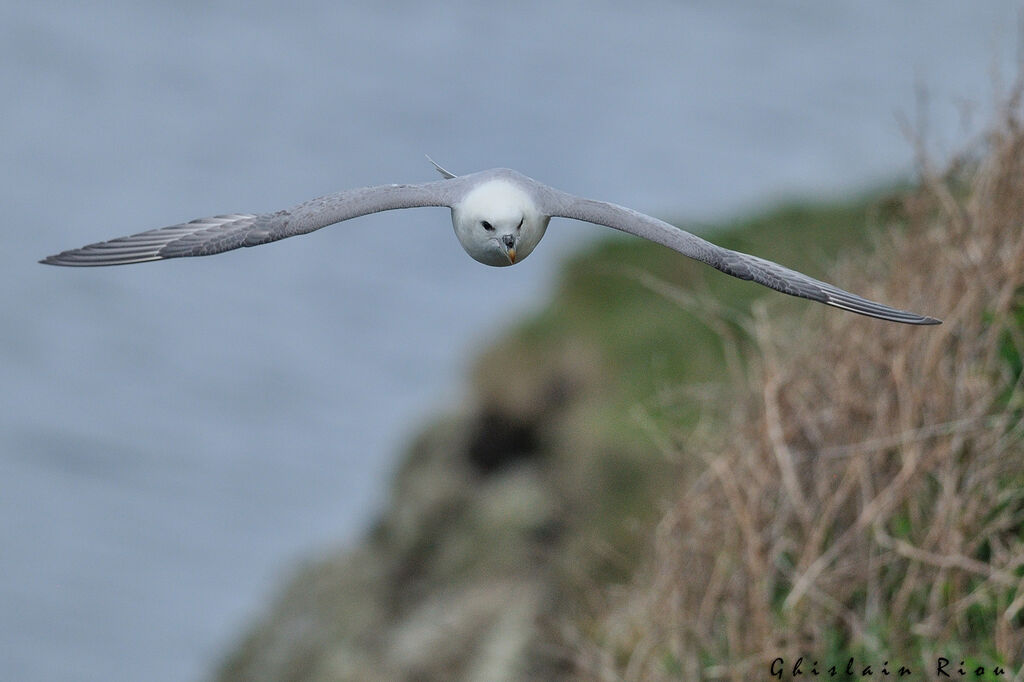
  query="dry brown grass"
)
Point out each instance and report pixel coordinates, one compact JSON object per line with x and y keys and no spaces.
{"x":864,"y":489}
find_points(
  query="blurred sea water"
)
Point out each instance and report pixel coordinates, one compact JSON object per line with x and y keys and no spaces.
{"x":174,"y":436}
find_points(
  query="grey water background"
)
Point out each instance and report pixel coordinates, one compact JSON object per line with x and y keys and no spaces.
{"x":174,"y":436}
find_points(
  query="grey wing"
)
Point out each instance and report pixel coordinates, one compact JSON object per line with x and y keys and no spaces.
{"x":207,"y":236}
{"x":734,"y":263}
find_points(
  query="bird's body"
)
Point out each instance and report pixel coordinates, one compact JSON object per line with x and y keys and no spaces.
{"x":509,"y":215}
{"x":499,"y":216}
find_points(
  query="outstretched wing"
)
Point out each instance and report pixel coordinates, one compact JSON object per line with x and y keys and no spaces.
{"x":207,"y":236}
{"x":734,"y":263}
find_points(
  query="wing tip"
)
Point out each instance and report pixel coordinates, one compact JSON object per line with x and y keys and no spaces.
{"x":71,"y":259}
{"x":923,"y":320}
{"x":58,"y":259}
{"x":879,"y":311}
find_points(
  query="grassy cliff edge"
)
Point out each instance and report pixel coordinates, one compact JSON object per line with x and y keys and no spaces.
{"x":761,"y":477}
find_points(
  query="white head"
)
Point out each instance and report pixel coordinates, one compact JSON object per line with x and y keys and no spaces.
{"x":498,"y":223}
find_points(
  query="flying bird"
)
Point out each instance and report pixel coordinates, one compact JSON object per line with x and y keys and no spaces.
{"x":499,"y":217}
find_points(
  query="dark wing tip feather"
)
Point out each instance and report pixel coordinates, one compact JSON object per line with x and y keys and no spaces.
{"x":856,"y":304}
{"x":86,"y":257}
{"x":197,"y":237}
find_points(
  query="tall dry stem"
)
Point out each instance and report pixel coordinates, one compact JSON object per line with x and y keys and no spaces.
{"x":865,"y":491}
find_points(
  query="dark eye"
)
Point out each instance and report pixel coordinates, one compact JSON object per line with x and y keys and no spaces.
{"x":520,"y":225}
{"x":487,"y":226}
